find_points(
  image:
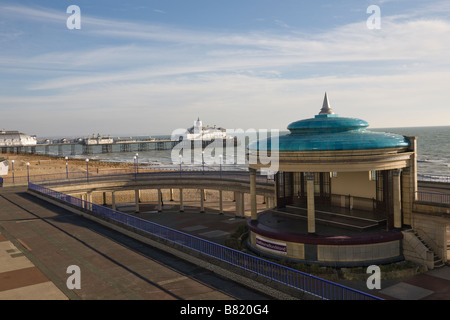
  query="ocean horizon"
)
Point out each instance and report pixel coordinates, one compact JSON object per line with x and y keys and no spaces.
{"x":433,"y":144}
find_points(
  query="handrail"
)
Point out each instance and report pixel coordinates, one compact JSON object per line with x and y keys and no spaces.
{"x":320,"y":288}
{"x":433,"y":178}
{"x":115,"y":173}
{"x":64,"y":178}
{"x":433,"y":197}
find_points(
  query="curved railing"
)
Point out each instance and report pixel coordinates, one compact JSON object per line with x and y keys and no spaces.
{"x":301,"y":281}
{"x":128,"y":174}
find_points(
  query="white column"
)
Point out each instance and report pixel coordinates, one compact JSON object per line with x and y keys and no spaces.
{"x":240,"y":204}
{"x":202,"y":200}
{"x":253,"y":208}
{"x":220,"y":202}
{"x":310,"y":202}
{"x":397,"y":198}
{"x":236,"y":199}
{"x":113,"y":200}
{"x":159,"y":200}
{"x":136,"y":200}
{"x":181,"y":200}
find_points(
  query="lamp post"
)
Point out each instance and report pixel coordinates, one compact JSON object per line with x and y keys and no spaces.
{"x":203,"y":161}
{"x":180,"y":156}
{"x":12,"y":161}
{"x":67,"y":167}
{"x":135,"y":172}
{"x":87,"y":170}
{"x":137,"y":163}
{"x":28,"y":172}
{"x":220,"y":157}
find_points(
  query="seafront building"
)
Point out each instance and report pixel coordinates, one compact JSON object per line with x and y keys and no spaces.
{"x":16,"y":139}
{"x":344,"y":196}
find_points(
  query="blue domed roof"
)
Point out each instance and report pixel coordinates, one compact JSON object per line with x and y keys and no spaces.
{"x":329,"y":132}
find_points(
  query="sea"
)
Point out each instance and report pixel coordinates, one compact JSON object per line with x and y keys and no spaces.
{"x":433,"y":150}
{"x":433,"y":144}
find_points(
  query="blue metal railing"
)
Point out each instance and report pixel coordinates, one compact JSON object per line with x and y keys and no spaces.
{"x":301,"y":281}
{"x":433,"y":178}
{"x":131,"y":173}
{"x":433,"y":197}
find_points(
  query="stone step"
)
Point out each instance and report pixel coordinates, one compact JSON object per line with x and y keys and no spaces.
{"x":438,"y":263}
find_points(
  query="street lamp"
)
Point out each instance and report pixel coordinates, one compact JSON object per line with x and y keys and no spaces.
{"x":87,"y":170}
{"x":180,"y":156}
{"x":12,"y":161}
{"x":203,"y":161}
{"x":135,"y":159}
{"x":137,"y":163}
{"x":67,"y":167}
{"x":220,"y":157}
{"x":28,"y":172}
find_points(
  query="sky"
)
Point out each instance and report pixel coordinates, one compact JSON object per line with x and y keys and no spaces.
{"x":149,"y":67}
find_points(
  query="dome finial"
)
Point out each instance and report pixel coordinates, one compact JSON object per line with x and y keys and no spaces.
{"x":326,"y":109}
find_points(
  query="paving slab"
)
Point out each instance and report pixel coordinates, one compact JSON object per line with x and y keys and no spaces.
{"x":405,"y":291}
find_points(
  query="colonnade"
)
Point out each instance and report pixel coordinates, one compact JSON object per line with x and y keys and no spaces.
{"x":238,"y":199}
{"x":396,"y":198}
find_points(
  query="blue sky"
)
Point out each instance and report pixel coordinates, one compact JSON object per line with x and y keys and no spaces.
{"x":149,"y":67}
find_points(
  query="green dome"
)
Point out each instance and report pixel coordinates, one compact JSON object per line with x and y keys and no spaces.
{"x":329,"y":132}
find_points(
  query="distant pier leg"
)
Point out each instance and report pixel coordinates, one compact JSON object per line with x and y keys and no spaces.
{"x":125,"y":147}
{"x":86,"y":149}
{"x":107,"y":148}
{"x":143,"y":147}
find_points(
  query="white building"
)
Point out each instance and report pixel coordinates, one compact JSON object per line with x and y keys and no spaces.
{"x":16,"y":139}
{"x":4,"y":165}
{"x":204,"y":133}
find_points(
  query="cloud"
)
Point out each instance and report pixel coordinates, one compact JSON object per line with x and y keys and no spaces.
{"x":155,"y":76}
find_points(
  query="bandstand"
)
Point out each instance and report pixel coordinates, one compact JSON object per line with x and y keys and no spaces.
{"x":342,"y":193}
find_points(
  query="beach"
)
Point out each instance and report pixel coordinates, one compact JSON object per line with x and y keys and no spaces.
{"x":55,"y":167}
{"x":42,"y":165}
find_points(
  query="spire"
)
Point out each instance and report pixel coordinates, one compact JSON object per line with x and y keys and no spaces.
{"x":326,"y":109}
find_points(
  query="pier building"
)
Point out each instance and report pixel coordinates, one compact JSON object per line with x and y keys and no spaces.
{"x":342,"y":193}
{"x":15,"y":140}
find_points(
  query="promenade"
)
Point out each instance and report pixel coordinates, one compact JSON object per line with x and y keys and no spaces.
{"x":39,"y":241}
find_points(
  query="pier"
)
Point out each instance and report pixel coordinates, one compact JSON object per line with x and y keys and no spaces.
{"x":73,"y":148}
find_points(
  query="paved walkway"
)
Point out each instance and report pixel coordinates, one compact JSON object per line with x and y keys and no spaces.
{"x":38,"y":242}
{"x":59,"y":239}
{"x":432,"y":285}
{"x":21,"y":279}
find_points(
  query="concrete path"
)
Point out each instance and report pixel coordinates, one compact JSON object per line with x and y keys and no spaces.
{"x":38,"y":242}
